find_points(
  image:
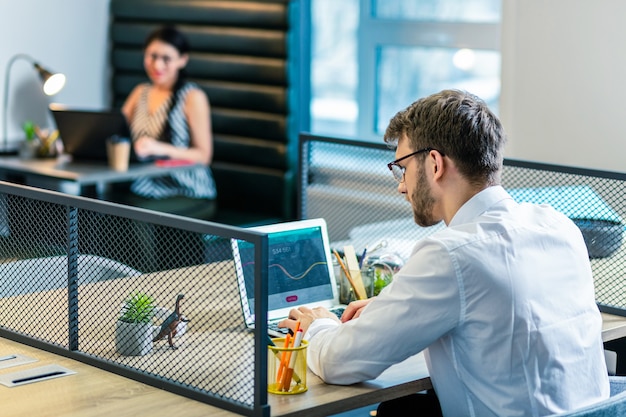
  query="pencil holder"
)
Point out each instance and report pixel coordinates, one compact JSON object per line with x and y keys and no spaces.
{"x":346,"y":292}
{"x":286,"y":368}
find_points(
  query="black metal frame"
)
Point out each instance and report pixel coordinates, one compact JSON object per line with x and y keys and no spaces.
{"x":532,"y":174}
{"x":260,"y":406}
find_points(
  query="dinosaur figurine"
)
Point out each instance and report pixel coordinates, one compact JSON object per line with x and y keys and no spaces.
{"x":170,"y":324}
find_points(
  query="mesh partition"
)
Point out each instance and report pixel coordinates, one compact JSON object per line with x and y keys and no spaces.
{"x":348,"y":183}
{"x":69,"y":266}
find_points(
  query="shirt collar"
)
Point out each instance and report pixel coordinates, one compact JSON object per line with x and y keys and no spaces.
{"x":478,"y":204}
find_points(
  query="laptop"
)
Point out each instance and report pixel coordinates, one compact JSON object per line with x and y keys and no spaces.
{"x":84,"y":132}
{"x":300,"y":271}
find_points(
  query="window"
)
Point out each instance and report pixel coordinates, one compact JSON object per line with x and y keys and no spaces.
{"x":371,"y":58}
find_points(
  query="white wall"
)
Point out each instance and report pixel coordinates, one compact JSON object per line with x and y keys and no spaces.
{"x":69,"y":36}
{"x":564,"y":82}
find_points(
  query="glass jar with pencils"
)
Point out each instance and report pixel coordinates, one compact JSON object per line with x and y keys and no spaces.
{"x":346,"y":290}
{"x":376,"y":273}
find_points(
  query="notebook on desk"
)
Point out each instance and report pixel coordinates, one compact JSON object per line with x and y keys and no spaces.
{"x":300,"y":271}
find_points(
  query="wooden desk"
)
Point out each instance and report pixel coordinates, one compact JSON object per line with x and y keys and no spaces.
{"x":90,"y":392}
{"x":210,"y":324}
{"x":613,"y":327}
{"x":69,"y":177}
{"x":93,"y":392}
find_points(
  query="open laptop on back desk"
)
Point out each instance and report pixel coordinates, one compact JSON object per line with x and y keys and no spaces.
{"x":84,"y":133}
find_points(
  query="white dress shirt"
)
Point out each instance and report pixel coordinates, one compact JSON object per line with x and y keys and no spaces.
{"x":502,"y":301}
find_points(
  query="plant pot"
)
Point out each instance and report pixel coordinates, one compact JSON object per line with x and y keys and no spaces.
{"x":133,"y":339}
{"x":28,"y":149}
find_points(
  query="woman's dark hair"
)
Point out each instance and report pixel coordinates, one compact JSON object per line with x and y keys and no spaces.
{"x":172,"y":36}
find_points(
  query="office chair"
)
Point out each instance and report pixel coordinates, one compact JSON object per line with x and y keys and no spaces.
{"x":613,"y":406}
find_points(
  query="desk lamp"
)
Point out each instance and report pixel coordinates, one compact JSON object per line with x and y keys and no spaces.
{"x":52,"y":84}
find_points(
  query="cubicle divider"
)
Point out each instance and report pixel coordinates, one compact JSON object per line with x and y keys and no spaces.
{"x":68,"y":266}
{"x":348,"y":183}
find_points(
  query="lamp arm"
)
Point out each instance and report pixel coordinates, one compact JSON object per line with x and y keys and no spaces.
{"x":5,"y":109}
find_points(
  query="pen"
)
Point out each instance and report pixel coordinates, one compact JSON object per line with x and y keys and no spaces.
{"x":346,"y":272}
{"x":286,"y":382}
{"x":283,"y":360}
{"x":7,"y":358}
{"x":270,"y":342}
{"x":356,"y":280}
{"x":287,"y":354}
{"x":362,"y":260}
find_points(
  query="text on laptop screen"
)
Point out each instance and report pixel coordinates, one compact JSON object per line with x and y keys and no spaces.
{"x":297,"y":268}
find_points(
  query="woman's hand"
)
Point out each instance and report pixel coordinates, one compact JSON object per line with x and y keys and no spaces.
{"x":146,"y":146}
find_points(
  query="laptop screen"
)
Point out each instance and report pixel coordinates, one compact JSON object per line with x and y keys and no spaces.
{"x":299,"y":268}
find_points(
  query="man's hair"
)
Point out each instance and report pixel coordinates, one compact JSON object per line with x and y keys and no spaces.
{"x":459,"y":125}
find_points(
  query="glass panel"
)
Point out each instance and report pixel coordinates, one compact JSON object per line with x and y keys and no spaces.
{"x":334,"y":67}
{"x":484,"y":11}
{"x":406,"y":74}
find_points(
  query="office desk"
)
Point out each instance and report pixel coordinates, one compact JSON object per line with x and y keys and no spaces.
{"x":61,"y":174}
{"x":209,"y":327}
{"x":93,"y":392}
{"x":90,"y":392}
{"x":613,"y":327}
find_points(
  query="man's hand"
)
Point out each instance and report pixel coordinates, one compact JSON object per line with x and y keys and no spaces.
{"x":354,"y":309}
{"x":306,"y":316}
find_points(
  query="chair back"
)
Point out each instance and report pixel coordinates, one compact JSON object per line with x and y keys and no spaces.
{"x":615,"y":405}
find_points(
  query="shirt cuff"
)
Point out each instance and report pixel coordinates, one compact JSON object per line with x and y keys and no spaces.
{"x":319,"y":325}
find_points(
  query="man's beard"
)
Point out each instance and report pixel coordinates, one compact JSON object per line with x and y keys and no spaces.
{"x":422,"y":202}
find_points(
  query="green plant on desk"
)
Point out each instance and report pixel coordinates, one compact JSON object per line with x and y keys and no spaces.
{"x":29,"y":130}
{"x":28,"y":147}
{"x":138,"y":308}
{"x":133,"y":333}
{"x":382,"y":278}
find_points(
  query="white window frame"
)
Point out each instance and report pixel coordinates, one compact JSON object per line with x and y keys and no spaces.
{"x":375,"y":33}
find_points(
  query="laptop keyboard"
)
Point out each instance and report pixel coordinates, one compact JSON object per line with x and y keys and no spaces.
{"x":274,"y":330}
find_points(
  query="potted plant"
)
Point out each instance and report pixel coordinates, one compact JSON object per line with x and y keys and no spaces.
{"x":133,"y":332}
{"x":30,"y":144}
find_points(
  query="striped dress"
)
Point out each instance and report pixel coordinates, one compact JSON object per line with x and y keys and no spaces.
{"x":196,"y":183}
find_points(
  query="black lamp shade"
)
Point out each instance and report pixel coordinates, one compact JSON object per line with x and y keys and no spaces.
{"x":52,"y":83}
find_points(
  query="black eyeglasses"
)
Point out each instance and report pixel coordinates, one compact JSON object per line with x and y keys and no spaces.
{"x":397,"y":170}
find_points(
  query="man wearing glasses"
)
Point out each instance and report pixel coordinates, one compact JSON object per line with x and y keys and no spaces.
{"x":501,"y":301}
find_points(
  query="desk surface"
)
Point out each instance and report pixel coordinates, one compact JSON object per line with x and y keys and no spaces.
{"x":90,"y":392}
{"x":320,"y":400}
{"x":63,"y":169}
{"x":93,"y":392}
{"x":613,"y":327}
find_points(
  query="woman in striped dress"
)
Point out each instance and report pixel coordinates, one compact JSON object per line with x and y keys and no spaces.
{"x":170,"y":118}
